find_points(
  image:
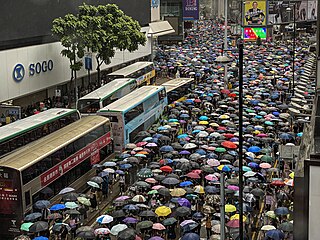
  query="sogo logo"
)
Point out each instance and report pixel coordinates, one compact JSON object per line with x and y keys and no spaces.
{"x":34,"y":68}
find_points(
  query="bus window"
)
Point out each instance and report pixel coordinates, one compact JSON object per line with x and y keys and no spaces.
{"x":27,"y":197}
{"x":88,"y":106}
{"x":133,"y":113}
{"x":57,"y":157}
{"x":4,"y":148}
{"x":98,"y":132}
{"x":78,"y":144}
{"x":162,"y":94}
{"x":113,"y":119}
{"x":69,"y":150}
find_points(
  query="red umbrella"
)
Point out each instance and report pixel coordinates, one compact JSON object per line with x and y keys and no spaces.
{"x":229,"y":144}
{"x":193,"y":175}
{"x":222,"y":128}
{"x":225,"y":91}
{"x":278,"y":183}
{"x":166,"y":169}
{"x":232,"y":95}
{"x":140,"y":144}
{"x":198,"y":171}
{"x":233,"y":223}
{"x":228,"y":135}
{"x":198,"y":100}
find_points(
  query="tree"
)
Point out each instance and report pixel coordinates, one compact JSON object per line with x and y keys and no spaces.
{"x":107,"y":29}
{"x":66,"y":30}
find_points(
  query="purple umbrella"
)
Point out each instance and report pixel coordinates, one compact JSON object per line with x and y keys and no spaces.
{"x":233,"y":188}
{"x":186,"y":222}
{"x":130,"y":220}
{"x":156,"y":238}
{"x":184,"y":202}
{"x":184,"y":152}
{"x":122,"y":198}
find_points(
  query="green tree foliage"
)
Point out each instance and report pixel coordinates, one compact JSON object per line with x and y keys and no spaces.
{"x":99,"y":29}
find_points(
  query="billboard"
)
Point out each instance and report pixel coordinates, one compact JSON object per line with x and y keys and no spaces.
{"x":250,"y":33}
{"x":283,"y":11}
{"x":255,"y":13}
{"x":190,"y":10}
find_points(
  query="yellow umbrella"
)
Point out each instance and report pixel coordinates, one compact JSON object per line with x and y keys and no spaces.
{"x":237,"y":217}
{"x":256,"y":132}
{"x":224,"y":116}
{"x":163,"y":211}
{"x":230,"y":208}
{"x":291,"y":175}
{"x":268,"y":227}
{"x":270,"y":214}
{"x":203,"y":122}
{"x":199,"y":189}
{"x":178,"y":192}
{"x":214,"y":124}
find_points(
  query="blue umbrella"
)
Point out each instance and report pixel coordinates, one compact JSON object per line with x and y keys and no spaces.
{"x":189,"y":101}
{"x":184,"y":115}
{"x":125,"y":166}
{"x":166,"y":148}
{"x":158,"y":135}
{"x":161,"y":128}
{"x":299,"y":134}
{"x":281,"y":211}
{"x":184,"y":202}
{"x":182,"y":136}
{"x":109,"y":164}
{"x":246,"y":169}
{"x":191,"y":236}
{"x":201,"y":151}
{"x":196,"y":131}
{"x":203,"y":118}
{"x":40,"y":238}
{"x":285,"y":136}
{"x":146,"y":139}
{"x":210,"y":189}
{"x":254,"y":149}
{"x":125,"y":155}
{"x":253,"y":165}
{"x":131,"y":207}
{"x":173,"y":120}
{"x":198,"y":215}
{"x":275,"y":234}
{"x":186,"y":183}
{"x":57,"y":207}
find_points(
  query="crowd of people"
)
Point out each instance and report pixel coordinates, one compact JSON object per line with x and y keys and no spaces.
{"x":180,"y":161}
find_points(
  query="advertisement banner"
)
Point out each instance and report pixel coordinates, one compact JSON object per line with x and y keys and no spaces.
{"x":190,"y":9}
{"x":278,"y":12}
{"x":301,"y":10}
{"x":312,"y":10}
{"x":255,"y":13}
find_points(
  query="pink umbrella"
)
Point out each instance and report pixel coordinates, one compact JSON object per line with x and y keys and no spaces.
{"x":233,"y":188}
{"x":213,"y":162}
{"x":157,"y":187}
{"x":150,"y":180}
{"x":265,"y":165}
{"x":262,"y":135}
{"x":211,"y":177}
{"x":185,"y":222}
{"x":122,"y":198}
{"x":158,"y":226}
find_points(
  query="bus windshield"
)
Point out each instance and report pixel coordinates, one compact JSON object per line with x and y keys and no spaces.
{"x":88,"y":105}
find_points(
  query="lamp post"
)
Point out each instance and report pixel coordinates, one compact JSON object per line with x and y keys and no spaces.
{"x":225,"y":44}
{"x":224,"y":60}
{"x":222,"y":208}
{"x":293,"y":45}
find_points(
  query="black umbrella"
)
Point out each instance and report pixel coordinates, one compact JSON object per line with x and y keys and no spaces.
{"x":172,"y":175}
{"x":185,"y":167}
{"x":96,"y":179}
{"x":32,"y":216}
{"x":257,"y":192}
{"x":183,"y":211}
{"x":70,"y":197}
{"x":143,"y":134}
{"x":118,"y":214}
{"x":41,"y":204}
{"x":38,"y":227}
{"x":159,"y":177}
{"x":147,"y":213}
{"x":127,"y":234}
{"x":177,"y":146}
{"x":170,"y":181}
{"x":144,"y":225}
{"x":164,"y":191}
{"x":72,"y":212}
{"x":169,"y":221}
{"x":142,"y":184}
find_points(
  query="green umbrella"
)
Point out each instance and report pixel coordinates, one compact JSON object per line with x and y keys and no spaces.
{"x":265,"y":150}
{"x":25,"y":226}
{"x":71,"y":205}
{"x":152,"y":192}
{"x":84,"y":201}
{"x":266,"y":158}
{"x":144,"y":224}
{"x":286,"y":226}
{"x":250,"y":111}
{"x":220,"y":149}
{"x":145,"y":173}
{"x":268,"y":123}
{"x":169,"y":221}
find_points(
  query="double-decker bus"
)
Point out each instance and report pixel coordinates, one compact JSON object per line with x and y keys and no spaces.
{"x":133,"y":113}
{"x":46,"y":166}
{"x":27,"y":130}
{"x":143,"y":72}
{"x":177,"y":88}
{"x":101,"y":97}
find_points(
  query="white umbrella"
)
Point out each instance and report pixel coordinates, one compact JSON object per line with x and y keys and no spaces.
{"x":118,"y":228}
{"x":93,"y":184}
{"x":189,"y":146}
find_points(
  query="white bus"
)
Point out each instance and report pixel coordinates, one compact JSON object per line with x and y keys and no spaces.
{"x":101,"y":97}
{"x":143,"y":72}
{"x":27,"y":130}
{"x":133,"y":113}
{"x":177,"y":88}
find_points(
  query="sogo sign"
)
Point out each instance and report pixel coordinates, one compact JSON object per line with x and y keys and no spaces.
{"x":34,"y":68}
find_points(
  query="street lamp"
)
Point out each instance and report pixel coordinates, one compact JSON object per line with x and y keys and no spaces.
{"x":224,"y":60}
{"x":293,"y":44}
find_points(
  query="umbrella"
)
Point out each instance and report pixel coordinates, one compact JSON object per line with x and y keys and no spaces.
{"x":235,"y":223}
{"x":268,"y":227}
{"x":71,"y":205}
{"x":70,"y":197}
{"x":144,"y":224}
{"x":22,"y":237}
{"x":38,"y":227}
{"x":177,"y":192}
{"x":93,"y":184}
{"x":147,"y":213}
{"x":286,"y":226}
{"x":41,"y":238}
{"x":127,"y":234}
{"x":66,"y":190}
{"x":25,"y":226}
{"x":230,"y":208}
{"x":170,"y":181}
{"x":191,"y":236}
{"x":118,"y":214}
{"x":84,"y":201}
{"x":32,"y":216}
{"x":115,"y":230}
{"x":102,"y":231}
{"x":145,"y":173}
{"x":57,"y":207}
{"x":41,"y":204}
{"x":163,"y":211}
{"x":54,"y":216}
{"x":138,"y":198}
{"x":182,"y":211}
{"x":57,"y":227}
{"x":130,"y":220}
{"x":158,"y":226}
{"x":169,"y":221}
{"x":281,"y":211}
{"x":275,"y":234}
{"x":104,"y":219}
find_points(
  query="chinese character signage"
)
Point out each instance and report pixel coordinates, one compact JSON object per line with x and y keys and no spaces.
{"x":90,"y":150}
{"x":190,"y":10}
{"x":255,"y":13}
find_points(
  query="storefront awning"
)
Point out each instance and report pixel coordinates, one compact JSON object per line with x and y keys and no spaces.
{"x":160,"y":28}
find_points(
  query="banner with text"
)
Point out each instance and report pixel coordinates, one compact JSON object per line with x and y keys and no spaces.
{"x":190,"y":9}
{"x":255,"y":13}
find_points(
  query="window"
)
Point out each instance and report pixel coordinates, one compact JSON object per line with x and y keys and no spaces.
{"x":69,"y":149}
{"x":106,"y":102}
{"x":150,"y":103}
{"x":27,"y":197}
{"x":133,"y":113}
{"x":162,"y":94}
{"x":78,"y":144}
{"x":113,"y":119}
{"x":4,"y":148}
